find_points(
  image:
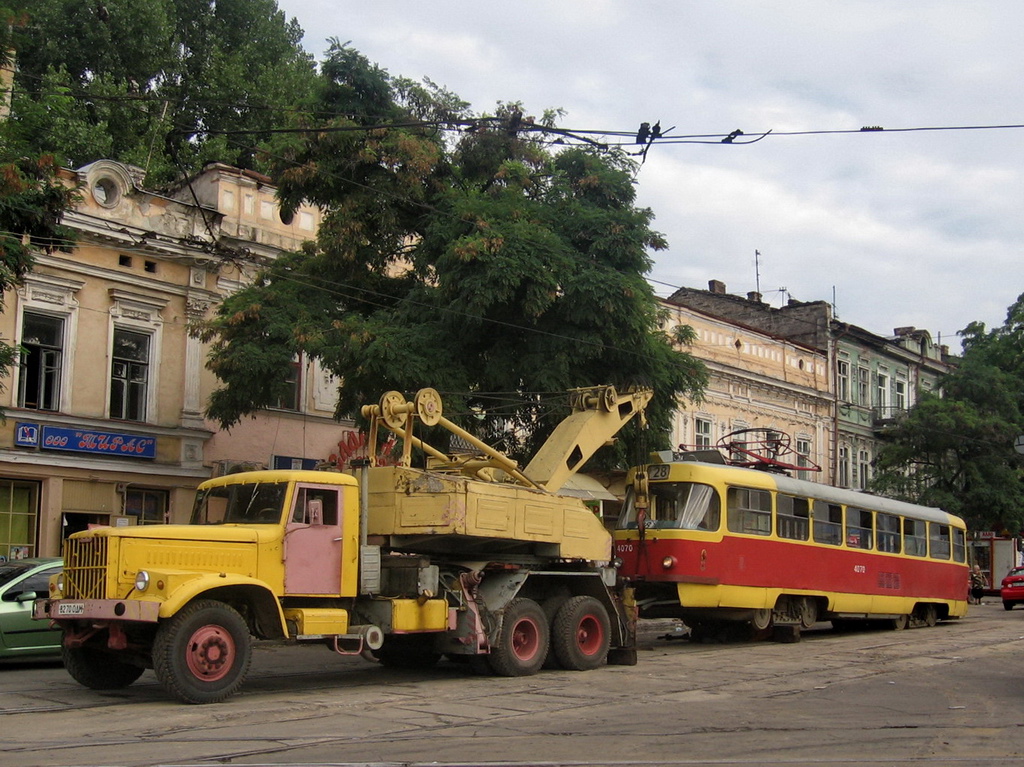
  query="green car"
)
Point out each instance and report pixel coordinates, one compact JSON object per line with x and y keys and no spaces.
{"x":22,"y":581}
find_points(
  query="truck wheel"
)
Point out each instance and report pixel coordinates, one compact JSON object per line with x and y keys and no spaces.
{"x":581,"y":634}
{"x":522,"y":641}
{"x":98,"y":670}
{"x":202,"y":654}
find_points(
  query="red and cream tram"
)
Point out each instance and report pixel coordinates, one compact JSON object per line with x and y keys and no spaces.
{"x":717,"y":545}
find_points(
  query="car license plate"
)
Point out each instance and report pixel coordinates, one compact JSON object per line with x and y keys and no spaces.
{"x":71,"y":608}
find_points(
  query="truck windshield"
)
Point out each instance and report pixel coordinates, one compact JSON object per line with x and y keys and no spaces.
{"x":258,"y":503}
{"x":678,"y":505}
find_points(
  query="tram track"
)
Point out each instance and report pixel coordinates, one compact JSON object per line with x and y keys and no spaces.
{"x":304,"y":708}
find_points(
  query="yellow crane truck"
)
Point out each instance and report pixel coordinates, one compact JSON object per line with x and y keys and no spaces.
{"x":471,"y":558}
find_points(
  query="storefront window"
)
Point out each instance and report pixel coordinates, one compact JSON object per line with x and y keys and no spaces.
{"x":19,"y":509}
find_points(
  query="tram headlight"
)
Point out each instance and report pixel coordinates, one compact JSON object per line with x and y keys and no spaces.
{"x":668,"y":562}
{"x":141,"y":580}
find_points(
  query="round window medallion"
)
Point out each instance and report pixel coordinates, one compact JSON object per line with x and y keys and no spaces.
{"x":106,"y":192}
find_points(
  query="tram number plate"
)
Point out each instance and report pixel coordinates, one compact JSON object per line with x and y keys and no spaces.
{"x":659,"y":471}
{"x":71,"y":608}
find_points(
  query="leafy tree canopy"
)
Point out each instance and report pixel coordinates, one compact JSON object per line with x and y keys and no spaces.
{"x":166,"y":85}
{"x":477,"y":265}
{"x":32,"y":200}
{"x":956,"y":451}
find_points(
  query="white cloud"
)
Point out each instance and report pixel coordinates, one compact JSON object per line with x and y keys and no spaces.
{"x":908,"y":228}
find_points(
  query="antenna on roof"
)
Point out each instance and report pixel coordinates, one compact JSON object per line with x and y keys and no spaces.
{"x":757,"y":271}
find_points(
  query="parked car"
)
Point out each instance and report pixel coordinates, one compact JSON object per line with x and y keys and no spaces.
{"x":1012,"y":590}
{"x":22,"y":581}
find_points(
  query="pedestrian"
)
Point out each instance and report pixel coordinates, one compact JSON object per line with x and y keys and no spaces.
{"x":977,"y":585}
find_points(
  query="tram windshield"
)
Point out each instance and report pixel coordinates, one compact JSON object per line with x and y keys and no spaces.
{"x":258,"y":503}
{"x":675,"y":505}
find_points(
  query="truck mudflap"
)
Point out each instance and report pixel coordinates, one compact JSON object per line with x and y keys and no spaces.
{"x":96,"y":609}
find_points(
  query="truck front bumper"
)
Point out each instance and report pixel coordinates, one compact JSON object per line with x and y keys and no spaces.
{"x":96,"y":609}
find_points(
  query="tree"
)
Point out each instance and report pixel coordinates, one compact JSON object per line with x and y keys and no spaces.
{"x":955,"y":450}
{"x":481,"y":265}
{"x":32,"y":201}
{"x":166,"y":85}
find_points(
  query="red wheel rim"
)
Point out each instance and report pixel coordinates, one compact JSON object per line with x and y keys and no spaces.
{"x":525,"y":639}
{"x":589,"y":635}
{"x":210,"y":653}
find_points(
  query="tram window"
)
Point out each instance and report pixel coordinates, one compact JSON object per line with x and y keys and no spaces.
{"x":888,"y":533}
{"x":684,"y":506}
{"x":938,"y":540}
{"x":914,"y":541}
{"x":750,"y":511}
{"x":828,"y":523}
{"x":794,"y":517}
{"x":959,"y":545}
{"x":676,"y":505}
{"x":858,"y":529}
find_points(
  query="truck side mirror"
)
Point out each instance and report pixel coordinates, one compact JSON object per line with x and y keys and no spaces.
{"x":315,"y":511}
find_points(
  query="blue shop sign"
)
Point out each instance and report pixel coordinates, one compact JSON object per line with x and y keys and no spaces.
{"x":84,"y":441}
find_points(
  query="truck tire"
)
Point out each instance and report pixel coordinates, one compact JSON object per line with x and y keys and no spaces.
{"x":522,"y":640}
{"x":98,"y":670}
{"x":202,"y":654}
{"x":581,"y":634}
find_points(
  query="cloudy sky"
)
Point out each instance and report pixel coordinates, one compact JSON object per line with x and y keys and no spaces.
{"x":919,"y":228}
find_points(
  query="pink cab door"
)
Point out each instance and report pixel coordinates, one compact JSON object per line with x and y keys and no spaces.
{"x":312,"y":541}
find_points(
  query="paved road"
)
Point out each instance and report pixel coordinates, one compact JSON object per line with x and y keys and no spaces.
{"x":950,"y":695}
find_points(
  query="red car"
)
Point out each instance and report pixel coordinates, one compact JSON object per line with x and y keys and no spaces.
{"x":1012,"y":590}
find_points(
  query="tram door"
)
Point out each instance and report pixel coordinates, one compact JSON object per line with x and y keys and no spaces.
{"x":312,"y":541}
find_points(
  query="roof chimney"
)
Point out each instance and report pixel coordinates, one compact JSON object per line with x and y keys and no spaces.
{"x":754,"y":296}
{"x":717,"y":287}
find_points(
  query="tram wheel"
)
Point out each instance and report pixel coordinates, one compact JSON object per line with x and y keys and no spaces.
{"x":931,"y":616}
{"x":762,"y":619}
{"x":808,"y":612}
{"x":900,"y":623}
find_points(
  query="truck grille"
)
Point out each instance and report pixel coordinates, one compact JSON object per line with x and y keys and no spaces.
{"x":85,"y":568}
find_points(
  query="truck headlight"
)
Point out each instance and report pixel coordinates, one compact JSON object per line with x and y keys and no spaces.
{"x":141,"y":580}
{"x":59,"y":583}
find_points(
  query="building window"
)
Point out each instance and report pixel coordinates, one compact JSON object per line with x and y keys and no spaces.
{"x":148,"y":507}
{"x":863,"y":469}
{"x":843,"y":368}
{"x":803,"y":456}
{"x":289,"y":398}
{"x":42,"y":341}
{"x":882,"y":392}
{"x":863,"y":387}
{"x":19,"y":507}
{"x":843,"y":479}
{"x":702,"y":432}
{"x":129,"y":375}
{"x":900,"y":395}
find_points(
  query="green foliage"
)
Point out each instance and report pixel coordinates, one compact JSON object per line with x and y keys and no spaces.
{"x":155,"y":83}
{"x":481,"y":265}
{"x":32,"y":201}
{"x":956,"y":451}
